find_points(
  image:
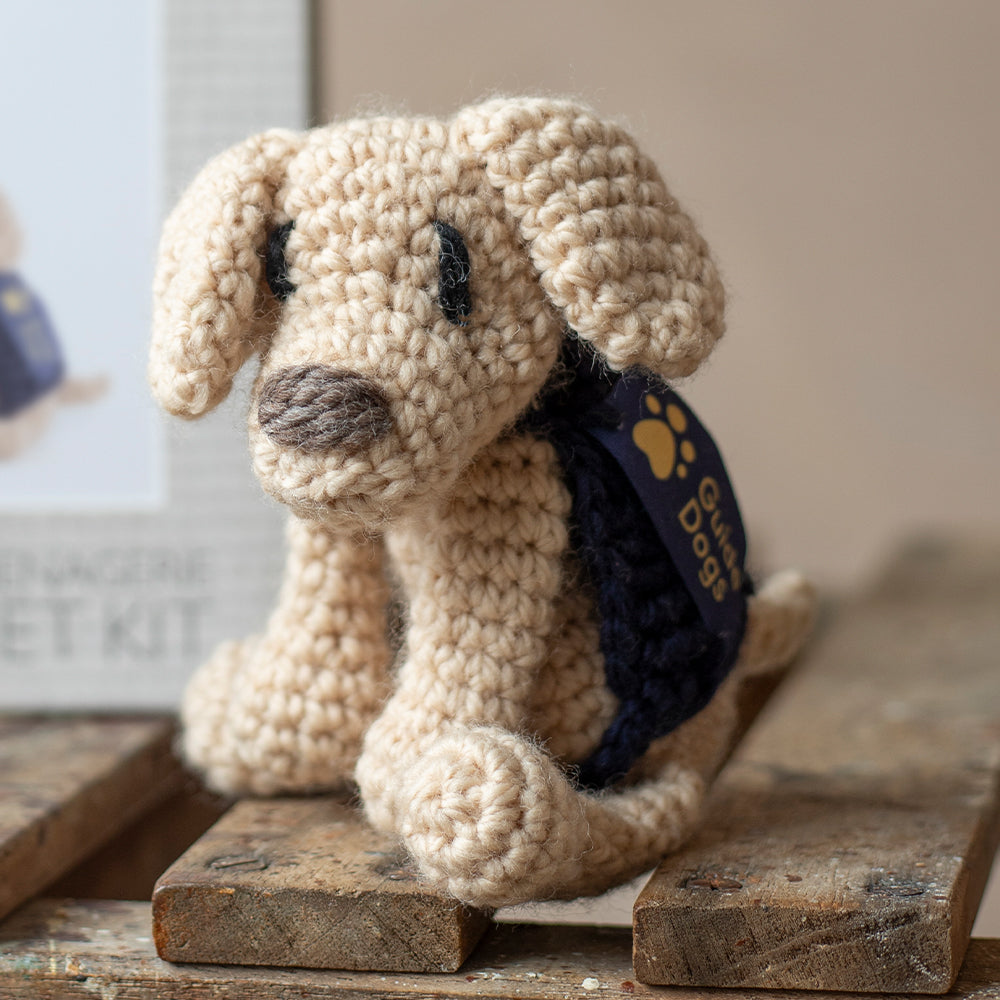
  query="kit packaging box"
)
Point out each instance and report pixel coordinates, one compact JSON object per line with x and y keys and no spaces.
{"x":130,"y":544}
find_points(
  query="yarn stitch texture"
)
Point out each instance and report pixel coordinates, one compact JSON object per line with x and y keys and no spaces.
{"x":390,"y":415}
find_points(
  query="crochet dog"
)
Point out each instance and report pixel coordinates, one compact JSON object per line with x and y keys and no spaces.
{"x":434,"y":303}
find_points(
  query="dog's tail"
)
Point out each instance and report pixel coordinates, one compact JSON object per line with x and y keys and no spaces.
{"x":780,"y":617}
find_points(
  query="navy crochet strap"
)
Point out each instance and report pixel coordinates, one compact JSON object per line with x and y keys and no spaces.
{"x":671,"y":615}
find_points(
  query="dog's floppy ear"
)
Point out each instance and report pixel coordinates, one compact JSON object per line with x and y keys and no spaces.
{"x":210,"y":307}
{"x":614,"y":251}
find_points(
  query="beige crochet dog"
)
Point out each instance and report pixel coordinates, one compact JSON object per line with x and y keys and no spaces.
{"x":384,"y":416}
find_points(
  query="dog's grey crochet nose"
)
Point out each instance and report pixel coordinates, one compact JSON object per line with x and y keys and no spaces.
{"x":318,"y":408}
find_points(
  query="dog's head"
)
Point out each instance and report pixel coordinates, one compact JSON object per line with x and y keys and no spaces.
{"x":408,"y":283}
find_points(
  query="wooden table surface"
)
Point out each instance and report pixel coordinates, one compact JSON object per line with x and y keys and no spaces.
{"x":71,"y":949}
{"x":845,"y":846}
{"x":848,"y":843}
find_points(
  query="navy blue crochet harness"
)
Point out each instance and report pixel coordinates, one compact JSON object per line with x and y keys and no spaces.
{"x":661,"y":660}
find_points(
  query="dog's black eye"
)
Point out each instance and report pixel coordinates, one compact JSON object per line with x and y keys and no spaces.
{"x":275,"y":265}
{"x":453,"y":281}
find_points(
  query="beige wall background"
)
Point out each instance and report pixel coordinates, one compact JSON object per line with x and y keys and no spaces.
{"x":843,"y":161}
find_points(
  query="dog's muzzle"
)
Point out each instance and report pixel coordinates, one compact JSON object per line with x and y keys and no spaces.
{"x":318,"y":408}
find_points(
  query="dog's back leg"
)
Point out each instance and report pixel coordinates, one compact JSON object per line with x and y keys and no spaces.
{"x":633,"y":829}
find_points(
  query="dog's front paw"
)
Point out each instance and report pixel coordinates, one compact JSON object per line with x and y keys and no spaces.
{"x":256,"y":721}
{"x":490,"y":819}
{"x":208,"y":742}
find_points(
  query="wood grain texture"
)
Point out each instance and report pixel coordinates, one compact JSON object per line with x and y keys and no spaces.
{"x":306,"y":882}
{"x":67,"y":785}
{"x":65,"y":949}
{"x":847,"y":845}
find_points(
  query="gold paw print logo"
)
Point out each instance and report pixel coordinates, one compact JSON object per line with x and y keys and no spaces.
{"x":656,"y":438}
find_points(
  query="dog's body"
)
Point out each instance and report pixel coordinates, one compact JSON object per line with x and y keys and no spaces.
{"x":420,"y":280}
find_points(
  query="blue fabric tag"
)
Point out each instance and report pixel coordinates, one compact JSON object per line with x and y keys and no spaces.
{"x":30,"y":360}
{"x":678,"y":474}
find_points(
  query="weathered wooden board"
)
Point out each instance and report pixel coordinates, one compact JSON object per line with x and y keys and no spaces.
{"x":847,"y":845}
{"x":67,"y":785}
{"x":306,"y":882}
{"x":67,"y":949}
{"x":129,"y":864}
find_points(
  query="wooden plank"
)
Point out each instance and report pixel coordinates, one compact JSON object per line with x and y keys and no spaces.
{"x":847,"y":845}
{"x":67,"y":785}
{"x":306,"y":882}
{"x":70,"y":949}
{"x":129,"y":864}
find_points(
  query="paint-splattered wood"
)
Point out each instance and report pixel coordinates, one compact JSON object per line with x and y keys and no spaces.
{"x":847,"y":845}
{"x":67,"y":785}
{"x":305,"y":882}
{"x":70,"y":949}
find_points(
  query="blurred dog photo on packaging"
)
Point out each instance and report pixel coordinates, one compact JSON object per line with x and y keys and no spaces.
{"x":33,"y":379}
{"x":465,"y":330}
